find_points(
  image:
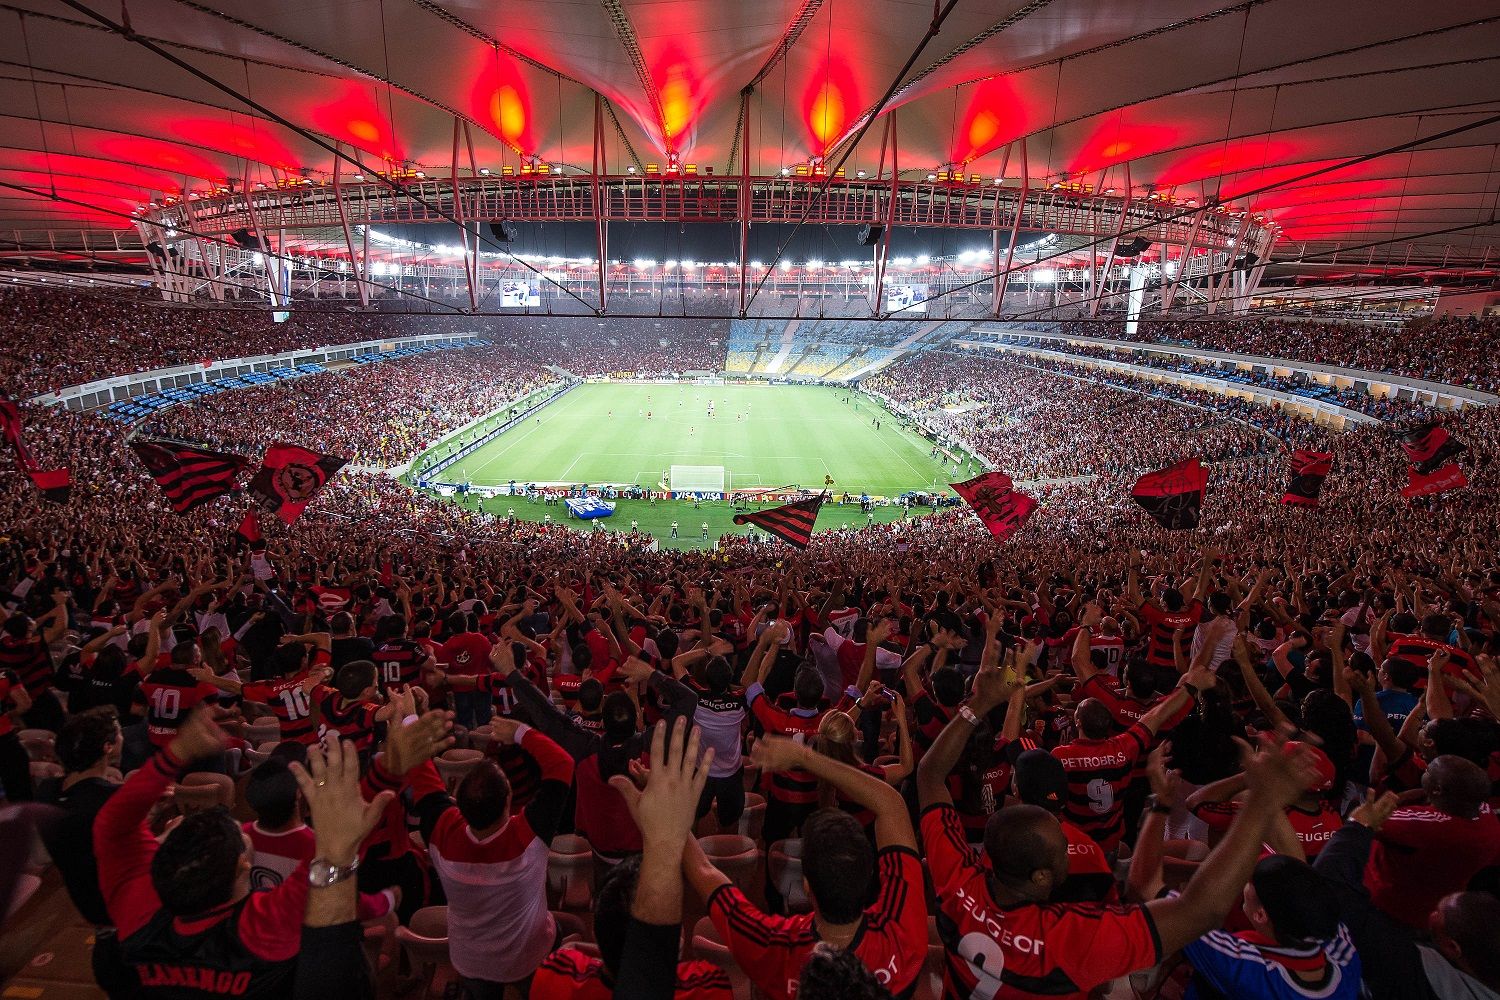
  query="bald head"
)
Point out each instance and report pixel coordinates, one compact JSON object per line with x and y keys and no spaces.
{"x":1466,"y":927}
{"x":1028,"y":851}
{"x":1456,"y":786}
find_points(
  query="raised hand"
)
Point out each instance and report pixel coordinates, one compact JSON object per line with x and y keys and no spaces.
{"x":198,"y":736}
{"x":1373,"y":812}
{"x":341,"y":818}
{"x":777,"y":753}
{"x":665,"y":810}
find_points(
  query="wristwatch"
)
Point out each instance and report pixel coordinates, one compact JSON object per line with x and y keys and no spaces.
{"x":322,"y":873}
{"x":967,"y":714}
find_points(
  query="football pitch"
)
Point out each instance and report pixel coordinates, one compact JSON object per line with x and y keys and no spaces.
{"x":765,"y":436}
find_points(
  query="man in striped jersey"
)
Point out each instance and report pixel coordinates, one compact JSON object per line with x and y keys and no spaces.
{"x":1099,"y":765}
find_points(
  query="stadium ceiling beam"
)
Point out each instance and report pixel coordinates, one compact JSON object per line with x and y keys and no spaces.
{"x":396,"y":187}
{"x":1114,"y":246}
{"x":625,"y":32}
{"x":789,"y":37}
{"x":1217,"y":287}
{"x":906,"y":86}
{"x":882,"y":250}
{"x":357,"y":262}
{"x":601,"y":224}
{"x":1003,"y":279}
{"x":471,"y":254}
{"x":744,"y":202}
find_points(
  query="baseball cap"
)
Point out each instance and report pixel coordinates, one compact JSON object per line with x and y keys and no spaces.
{"x":1324,"y":767}
{"x":1041,"y":780}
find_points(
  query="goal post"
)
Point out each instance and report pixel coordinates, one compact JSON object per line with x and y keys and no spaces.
{"x":696,"y":478}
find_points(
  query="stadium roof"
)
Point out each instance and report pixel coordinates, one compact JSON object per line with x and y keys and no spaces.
{"x":1208,"y":99}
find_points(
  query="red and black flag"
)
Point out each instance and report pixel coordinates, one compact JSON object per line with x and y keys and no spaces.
{"x":55,"y":484}
{"x":249,"y":529}
{"x":1309,"y":469}
{"x":999,"y":506}
{"x":1173,"y":496}
{"x":1449,"y":477}
{"x":290,"y":476}
{"x":792,"y":523}
{"x":190,"y":477}
{"x":1429,"y":447}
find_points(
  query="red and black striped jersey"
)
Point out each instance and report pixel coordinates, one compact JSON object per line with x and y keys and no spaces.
{"x":1058,"y":950}
{"x":1416,"y":649}
{"x":170,"y":695}
{"x":8,"y":683}
{"x":354,"y":720}
{"x":892,"y":940}
{"x":979,"y":790}
{"x":1098,"y":773}
{"x":291,"y":704}
{"x":398,"y":663}
{"x":1161,"y":624}
{"x":796,"y":786}
{"x":30,"y":660}
{"x":930,"y":717}
{"x":569,"y":974}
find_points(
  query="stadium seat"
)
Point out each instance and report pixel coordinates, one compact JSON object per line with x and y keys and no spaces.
{"x":196,"y":798}
{"x":785,"y":860}
{"x":222,"y":784}
{"x":40,"y":744}
{"x":706,"y":945}
{"x":25,"y":887}
{"x":263,"y":731}
{"x":425,"y":944}
{"x":570,"y":873}
{"x":257,"y":755}
{"x":41,"y":770}
{"x":734,"y":855}
{"x":570,"y":927}
{"x":454,"y":764}
{"x":754,"y":816}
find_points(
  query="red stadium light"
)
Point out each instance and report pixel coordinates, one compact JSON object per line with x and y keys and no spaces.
{"x":356,"y":118}
{"x":828,"y":102}
{"x":993,"y":117}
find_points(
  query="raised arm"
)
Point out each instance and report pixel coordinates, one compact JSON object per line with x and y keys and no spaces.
{"x":1275,"y":717}
{"x":1276,"y":780}
{"x":892,"y":821}
{"x":990,"y":691}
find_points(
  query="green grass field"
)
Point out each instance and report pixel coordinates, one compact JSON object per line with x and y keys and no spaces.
{"x":764,"y":435}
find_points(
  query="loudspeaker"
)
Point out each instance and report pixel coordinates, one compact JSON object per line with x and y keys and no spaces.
{"x":246,"y":239}
{"x":1249,"y":260}
{"x":504,"y":232}
{"x":869,"y":235}
{"x":1134,"y":248}
{"x":155,"y":249}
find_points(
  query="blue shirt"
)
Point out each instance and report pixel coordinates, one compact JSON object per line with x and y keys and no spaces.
{"x":1396,"y":704}
{"x":1240,"y":969}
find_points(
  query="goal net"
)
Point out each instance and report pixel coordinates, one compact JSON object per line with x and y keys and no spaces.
{"x":696,"y":478}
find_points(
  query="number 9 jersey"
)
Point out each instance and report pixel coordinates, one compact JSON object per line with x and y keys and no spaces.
{"x":1030,"y":950}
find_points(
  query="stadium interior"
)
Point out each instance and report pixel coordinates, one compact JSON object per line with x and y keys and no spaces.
{"x":746,"y":501}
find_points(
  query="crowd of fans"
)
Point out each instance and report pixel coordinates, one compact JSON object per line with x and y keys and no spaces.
{"x":1357,"y":398}
{"x":376,"y":415}
{"x":1042,"y":418}
{"x":1256,"y":759}
{"x":49,"y":340}
{"x":1457,"y":350}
